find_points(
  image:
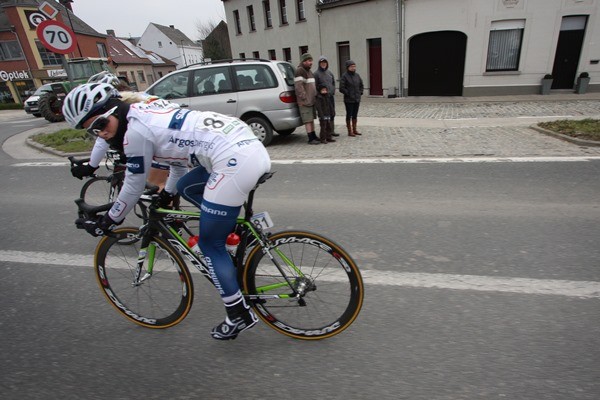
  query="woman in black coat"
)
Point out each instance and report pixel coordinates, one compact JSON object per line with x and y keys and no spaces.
{"x":351,"y":85}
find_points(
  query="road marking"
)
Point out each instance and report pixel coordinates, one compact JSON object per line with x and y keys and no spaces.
{"x":419,"y":160}
{"x":581,"y":289}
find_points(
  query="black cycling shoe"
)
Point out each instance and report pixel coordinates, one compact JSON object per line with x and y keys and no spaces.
{"x":229,"y":329}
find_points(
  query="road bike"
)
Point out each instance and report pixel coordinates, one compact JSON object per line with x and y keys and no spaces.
{"x":299,"y":283}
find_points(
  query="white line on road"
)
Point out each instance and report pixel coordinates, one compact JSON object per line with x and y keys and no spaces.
{"x":421,"y":160}
{"x":581,"y":289}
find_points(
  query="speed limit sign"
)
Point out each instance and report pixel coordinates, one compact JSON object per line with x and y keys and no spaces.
{"x":56,"y":37}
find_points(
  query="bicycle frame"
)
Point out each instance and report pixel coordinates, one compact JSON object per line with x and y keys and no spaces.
{"x":250,"y":233}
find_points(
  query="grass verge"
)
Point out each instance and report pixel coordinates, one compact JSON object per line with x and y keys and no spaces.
{"x":586,"y":129}
{"x":67,"y":140}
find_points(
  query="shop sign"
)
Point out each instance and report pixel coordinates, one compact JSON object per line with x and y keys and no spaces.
{"x":14,"y":75}
{"x":55,"y":73}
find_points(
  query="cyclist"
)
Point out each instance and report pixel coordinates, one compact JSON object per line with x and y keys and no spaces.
{"x":227,"y":160}
{"x":159,"y":172}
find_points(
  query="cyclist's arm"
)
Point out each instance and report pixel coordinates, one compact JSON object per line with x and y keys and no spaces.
{"x":175,"y":172}
{"x":98,"y":152}
{"x":139,"y":152}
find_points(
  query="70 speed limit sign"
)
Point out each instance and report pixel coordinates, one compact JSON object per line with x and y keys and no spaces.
{"x":56,"y":37}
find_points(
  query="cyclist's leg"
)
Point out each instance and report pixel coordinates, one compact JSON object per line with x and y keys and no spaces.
{"x":191,"y":185}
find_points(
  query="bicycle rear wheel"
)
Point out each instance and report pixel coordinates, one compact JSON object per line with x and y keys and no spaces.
{"x":327,"y":278}
{"x":161,"y":301}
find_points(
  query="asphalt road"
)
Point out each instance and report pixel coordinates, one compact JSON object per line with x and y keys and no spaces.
{"x":481,"y":279}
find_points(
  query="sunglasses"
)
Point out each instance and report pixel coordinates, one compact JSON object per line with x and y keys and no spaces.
{"x":100,"y":123}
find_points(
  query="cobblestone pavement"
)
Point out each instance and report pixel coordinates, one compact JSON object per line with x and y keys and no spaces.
{"x":395,"y":130}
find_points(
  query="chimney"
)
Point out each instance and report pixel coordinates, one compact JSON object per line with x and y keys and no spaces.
{"x":172,"y":26}
{"x":110,"y":32}
{"x":67,"y":4}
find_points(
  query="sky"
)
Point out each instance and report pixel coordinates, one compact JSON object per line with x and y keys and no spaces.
{"x":131,"y":17}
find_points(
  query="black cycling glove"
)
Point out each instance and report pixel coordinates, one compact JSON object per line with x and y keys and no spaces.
{"x":79,"y":171}
{"x":165,"y":199}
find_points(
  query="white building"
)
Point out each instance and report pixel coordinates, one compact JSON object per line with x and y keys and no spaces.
{"x":171,"y":44}
{"x":429,"y":47}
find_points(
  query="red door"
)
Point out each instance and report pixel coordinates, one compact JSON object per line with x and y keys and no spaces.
{"x":375,"y":82}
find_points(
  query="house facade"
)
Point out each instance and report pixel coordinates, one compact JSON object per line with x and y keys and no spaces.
{"x":429,"y":47}
{"x":142,"y":68}
{"x":25,"y":63}
{"x":171,"y":44}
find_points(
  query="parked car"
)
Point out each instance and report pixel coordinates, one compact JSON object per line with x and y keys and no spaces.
{"x":31,"y":104}
{"x":259,"y":92}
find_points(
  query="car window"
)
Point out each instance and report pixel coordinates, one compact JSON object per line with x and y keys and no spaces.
{"x":172,"y":86}
{"x":252,"y":77}
{"x":288,"y":73}
{"x":43,"y":89}
{"x":207,"y":81}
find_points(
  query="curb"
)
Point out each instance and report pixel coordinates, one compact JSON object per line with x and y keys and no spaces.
{"x":580,"y":142}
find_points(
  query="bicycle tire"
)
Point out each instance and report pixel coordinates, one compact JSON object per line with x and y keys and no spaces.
{"x":161,"y":301}
{"x":97,"y":191}
{"x":335,"y":287}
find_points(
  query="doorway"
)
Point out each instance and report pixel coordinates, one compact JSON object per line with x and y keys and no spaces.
{"x":436,"y":64}
{"x":375,"y":80}
{"x":568,"y":51}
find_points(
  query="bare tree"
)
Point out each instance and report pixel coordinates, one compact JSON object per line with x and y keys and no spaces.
{"x":215,"y":40}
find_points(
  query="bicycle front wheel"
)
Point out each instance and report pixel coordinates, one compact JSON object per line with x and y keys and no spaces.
{"x":99,"y":190}
{"x":328,"y":286}
{"x":160,"y":298}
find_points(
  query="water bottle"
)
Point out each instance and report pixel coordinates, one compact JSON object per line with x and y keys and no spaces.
{"x":193,"y":243}
{"x":232,"y":242}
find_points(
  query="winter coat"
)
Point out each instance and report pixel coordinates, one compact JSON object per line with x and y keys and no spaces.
{"x":325,"y":77}
{"x":351,"y":85}
{"x":304,"y":83}
{"x":323,"y":106}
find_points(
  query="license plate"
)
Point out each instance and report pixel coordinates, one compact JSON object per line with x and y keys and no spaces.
{"x":262,"y":220}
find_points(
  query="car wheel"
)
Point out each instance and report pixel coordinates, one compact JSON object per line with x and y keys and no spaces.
{"x":286,"y":132}
{"x":262,"y":129}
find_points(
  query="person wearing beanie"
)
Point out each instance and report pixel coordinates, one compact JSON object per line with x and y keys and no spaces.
{"x":306,"y":93}
{"x":351,"y":85}
{"x":324,"y":77}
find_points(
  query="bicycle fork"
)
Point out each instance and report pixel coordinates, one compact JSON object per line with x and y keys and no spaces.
{"x":147,"y":250}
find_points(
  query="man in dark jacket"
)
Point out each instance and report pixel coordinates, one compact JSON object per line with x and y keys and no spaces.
{"x":351,"y":85}
{"x":324,"y":77}
{"x":306,"y":93}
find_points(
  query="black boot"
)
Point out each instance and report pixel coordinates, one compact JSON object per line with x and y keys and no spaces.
{"x":313,"y":139}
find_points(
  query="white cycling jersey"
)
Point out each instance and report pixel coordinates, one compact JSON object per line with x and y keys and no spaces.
{"x":181,"y":138}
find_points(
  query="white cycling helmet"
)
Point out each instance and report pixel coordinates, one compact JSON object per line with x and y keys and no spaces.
{"x":85,"y":100}
{"x":105,"y":77}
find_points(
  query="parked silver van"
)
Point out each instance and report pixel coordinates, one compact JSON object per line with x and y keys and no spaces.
{"x":259,"y":92}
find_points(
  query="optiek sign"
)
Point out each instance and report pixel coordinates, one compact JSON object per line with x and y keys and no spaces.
{"x":14,"y":76}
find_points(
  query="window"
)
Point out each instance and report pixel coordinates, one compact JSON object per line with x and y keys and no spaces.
{"x":132,"y":76}
{"x":48,"y":58}
{"x":242,"y":55}
{"x":267,"y":10}
{"x":303,"y":50}
{"x":300,"y":9}
{"x":160,"y":74}
{"x":251,"y":21}
{"x":283,"y":12}
{"x":250,"y":77}
{"x":159,"y":44}
{"x":10,"y":51}
{"x":287,"y":54}
{"x":102,"y":50}
{"x":504,"y":48}
{"x":141,"y":77}
{"x":172,"y":87}
{"x":207,"y":81}
{"x":238,"y":26}
{"x":272,"y":55}
{"x":256,"y":54}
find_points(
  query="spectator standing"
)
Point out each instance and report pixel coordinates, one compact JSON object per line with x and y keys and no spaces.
{"x":351,"y":85}
{"x":324,"y":112}
{"x":324,"y":77}
{"x":306,"y":94}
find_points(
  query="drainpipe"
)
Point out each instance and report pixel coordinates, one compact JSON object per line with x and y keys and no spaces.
{"x":400,"y":32}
